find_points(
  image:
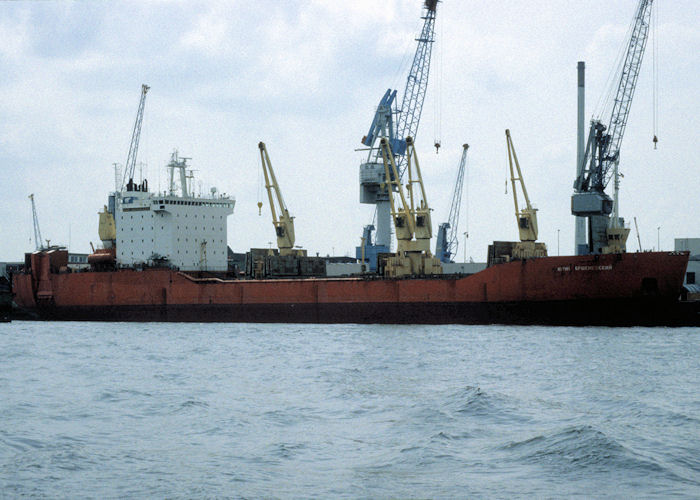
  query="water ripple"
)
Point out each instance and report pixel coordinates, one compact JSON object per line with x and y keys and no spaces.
{"x":347,"y":411}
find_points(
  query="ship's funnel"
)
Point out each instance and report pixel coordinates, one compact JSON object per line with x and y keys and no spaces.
{"x":580,"y":229}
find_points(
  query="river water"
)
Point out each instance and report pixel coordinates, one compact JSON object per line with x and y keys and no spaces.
{"x":105,"y":410}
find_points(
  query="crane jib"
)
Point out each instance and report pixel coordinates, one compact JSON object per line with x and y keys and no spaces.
{"x":604,"y":153}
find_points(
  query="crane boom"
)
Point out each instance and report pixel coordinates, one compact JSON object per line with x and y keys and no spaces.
{"x":604,"y":142}
{"x":527,"y":217}
{"x":130,"y":165}
{"x":283,"y":222}
{"x":447,"y":237}
{"x":628,"y":83}
{"x":38,"y":242}
{"x":416,"y":84}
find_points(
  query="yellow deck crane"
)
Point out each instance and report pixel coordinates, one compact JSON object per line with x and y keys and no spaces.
{"x":412,"y":220}
{"x":283,"y":222}
{"x":527,"y":217}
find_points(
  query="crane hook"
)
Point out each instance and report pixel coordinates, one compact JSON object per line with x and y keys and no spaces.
{"x":655,"y":140}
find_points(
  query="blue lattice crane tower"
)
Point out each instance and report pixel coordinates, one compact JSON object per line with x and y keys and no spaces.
{"x":602,"y":154}
{"x":447,"y":236}
{"x":395,"y":124}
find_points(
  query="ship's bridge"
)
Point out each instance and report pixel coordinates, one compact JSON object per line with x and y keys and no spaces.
{"x":188,"y":232}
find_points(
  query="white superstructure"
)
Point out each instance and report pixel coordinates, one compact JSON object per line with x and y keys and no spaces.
{"x":187,"y":232}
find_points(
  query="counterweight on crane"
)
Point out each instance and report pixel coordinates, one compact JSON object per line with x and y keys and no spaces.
{"x":38,"y":242}
{"x":130,"y":165}
{"x":373,"y":189}
{"x":602,"y":154}
{"x":283,"y":222}
{"x":447,"y":237}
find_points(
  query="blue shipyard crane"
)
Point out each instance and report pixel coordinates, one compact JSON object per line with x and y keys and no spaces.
{"x":602,"y":153}
{"x":134,"y":145}
{"x":447,"y":236}
{"x":373,"y":189}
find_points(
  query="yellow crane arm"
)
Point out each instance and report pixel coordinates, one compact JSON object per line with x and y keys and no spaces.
{"x":527,"y":217}
{"x":403,"y":219}
{"x":284,"y":223}
{"x":421,"y":211}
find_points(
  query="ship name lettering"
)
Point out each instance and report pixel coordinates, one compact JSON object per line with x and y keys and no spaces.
{"x":594,"y":268}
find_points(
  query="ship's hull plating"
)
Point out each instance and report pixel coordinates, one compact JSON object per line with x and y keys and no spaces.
{"x":625,"y":289}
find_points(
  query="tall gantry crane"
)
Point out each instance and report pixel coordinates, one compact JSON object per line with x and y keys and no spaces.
{"x":281,"y":219}
{"x":130,"y":165}
{"x":373,"y":189}
{"x":447,"y":237}
{"x":38,"y":242}
{"x":602,"y":154}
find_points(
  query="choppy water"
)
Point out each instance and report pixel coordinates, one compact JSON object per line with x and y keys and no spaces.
{"x":217,"y":410}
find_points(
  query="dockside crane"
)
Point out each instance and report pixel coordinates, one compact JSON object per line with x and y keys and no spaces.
{"x":372,"y":186}
{"x":38,"y":242}
{"x":602,"y":153}
{"x":130,"y":166}
{"x":526,"y":217}
{"x":447,"y":236}
{"x":281,"y":219}
{"x":412,"y":220}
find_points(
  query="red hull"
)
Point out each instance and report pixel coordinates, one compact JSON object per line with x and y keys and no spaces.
{"x":633,"y":288}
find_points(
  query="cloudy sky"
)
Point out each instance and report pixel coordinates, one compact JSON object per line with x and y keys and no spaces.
{"x":305,"y":77}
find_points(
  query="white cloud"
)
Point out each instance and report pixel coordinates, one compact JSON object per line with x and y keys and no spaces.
{"x":210,"y":35}
{"x":15,"y":36}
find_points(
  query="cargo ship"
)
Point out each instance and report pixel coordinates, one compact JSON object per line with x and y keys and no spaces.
{"x":613,"y":289}
{"x":164,"y":257}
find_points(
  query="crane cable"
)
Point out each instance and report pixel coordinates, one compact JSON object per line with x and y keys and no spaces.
{"x":606,"y":100}
{"x":465,"y":183}
{"x":655,"y":69}
{"x":260,"y":203}
{"x":438,"y":86}
{"x":507,"y":170}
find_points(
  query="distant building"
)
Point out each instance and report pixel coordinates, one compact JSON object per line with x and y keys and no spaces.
{"x":692,"y":244}
{"x":692,"y":274}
